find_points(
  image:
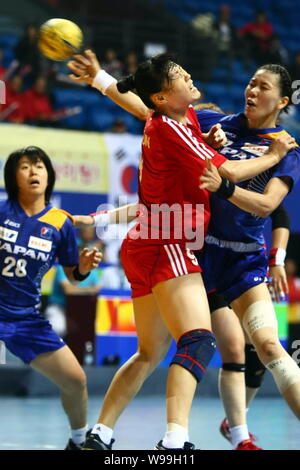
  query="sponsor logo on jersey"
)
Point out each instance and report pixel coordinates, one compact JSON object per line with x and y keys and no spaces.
{"x":46,"y":232}
{"x":40,"y":244}
{"x":255,"y":149}
{"x":8,"y":235}
{"x":11,"y":223}
{"x":21,"y":250}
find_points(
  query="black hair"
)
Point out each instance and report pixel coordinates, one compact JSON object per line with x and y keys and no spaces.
{"x":34,"y":154}
{"x":285,"y":81}
{"x":150,"y":77}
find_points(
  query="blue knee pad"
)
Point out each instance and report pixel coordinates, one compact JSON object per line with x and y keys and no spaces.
{"x":194,"y":352}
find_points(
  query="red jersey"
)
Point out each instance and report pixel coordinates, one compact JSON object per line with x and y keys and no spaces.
{"x":173,"y":158}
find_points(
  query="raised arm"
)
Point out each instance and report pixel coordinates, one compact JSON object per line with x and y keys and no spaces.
{"x":120,"y":215}
{"x":86,"y":68}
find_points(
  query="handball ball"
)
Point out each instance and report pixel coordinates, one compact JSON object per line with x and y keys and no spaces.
{"x":59,"y":39}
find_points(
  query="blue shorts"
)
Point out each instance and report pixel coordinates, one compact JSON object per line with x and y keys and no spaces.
{"x":231,"y":273}
{"x":28,"y":337}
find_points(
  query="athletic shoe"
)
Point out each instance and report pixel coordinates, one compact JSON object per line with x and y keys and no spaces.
{"x":225,"y":431}
{"x":247,"y":445}
{"x":187,"y":446}
{"x":94,"y":442}
{"x":72,"y":446}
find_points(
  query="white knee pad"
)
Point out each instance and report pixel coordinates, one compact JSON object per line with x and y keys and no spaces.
{"x":261,"y":314}
{"x":285,"y":372}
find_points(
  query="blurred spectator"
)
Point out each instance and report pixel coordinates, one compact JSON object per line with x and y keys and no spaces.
{"x":37,"y":103}
{"x":257,"y":38}
{"x":56,"y":309}
{"x":87,"y":238}
{"x":226,"y":39}
{"x":118,"y":127}
{"x":131,"y":63}
{"x":277,"y":53}
{"x":2,"y":69}
{"x":210,"y":106}
{"x":113,"y":277}
{"x":112,"y":65}
{"x":295,"y":67}
{"x":293,"y":281}
{"x":14,"y":108}
{"x":28,"y":54}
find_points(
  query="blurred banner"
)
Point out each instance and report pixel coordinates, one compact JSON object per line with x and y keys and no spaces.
{"x":124,"y":156}
{"x":80,"y":158}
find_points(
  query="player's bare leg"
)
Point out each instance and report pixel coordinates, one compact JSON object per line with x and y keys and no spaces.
{"x":153,"y":343}
{"x":184,"y":307}
{"x":230,"y":342}
{"x":256,"y":305}
{"x":63,"y":369}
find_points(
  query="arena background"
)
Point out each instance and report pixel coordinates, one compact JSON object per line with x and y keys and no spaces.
{"x":97,"y":164}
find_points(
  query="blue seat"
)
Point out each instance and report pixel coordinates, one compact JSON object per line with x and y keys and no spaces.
{"x":8,"y":40}
{"x":99,"y":119}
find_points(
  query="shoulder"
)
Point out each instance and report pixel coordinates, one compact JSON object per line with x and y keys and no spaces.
{"x":5,"y":206}
{"x":58,"y":218}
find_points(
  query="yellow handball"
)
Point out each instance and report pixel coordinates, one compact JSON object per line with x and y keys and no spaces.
{"x":59,"y":39}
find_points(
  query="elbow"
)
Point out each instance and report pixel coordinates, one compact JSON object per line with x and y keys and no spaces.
{"x":265,"y":209}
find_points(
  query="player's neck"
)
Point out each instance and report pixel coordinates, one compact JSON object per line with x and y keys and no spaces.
{"x":32,"y":206}
{"x":268,"y":122}
{"x":177,"y":114}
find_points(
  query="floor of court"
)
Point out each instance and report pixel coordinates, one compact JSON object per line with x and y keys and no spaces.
{"x":39,"y":423}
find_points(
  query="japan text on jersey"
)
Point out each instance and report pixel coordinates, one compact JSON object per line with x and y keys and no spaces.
{"x":28,"y":248}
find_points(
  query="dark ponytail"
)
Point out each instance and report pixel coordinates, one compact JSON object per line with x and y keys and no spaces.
{"x":151,"y":77}
{"x":285,"y":81}
{"x":126,"y":84}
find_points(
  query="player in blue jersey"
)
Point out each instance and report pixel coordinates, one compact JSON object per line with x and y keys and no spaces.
{"x":236,"y":248}
{"x":33,"y":234}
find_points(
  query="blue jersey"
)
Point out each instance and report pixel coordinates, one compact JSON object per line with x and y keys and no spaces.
{"x":28,"y":248}
{"x":229,"y":222}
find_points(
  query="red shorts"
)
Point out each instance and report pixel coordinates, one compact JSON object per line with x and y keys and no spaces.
{"x":147,"y":265}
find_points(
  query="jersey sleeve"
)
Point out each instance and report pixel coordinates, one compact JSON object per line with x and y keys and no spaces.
{"x":208,"y":118}
{"x":289,"y":166}
{"x":177,"y":140}
{"x":68,"y":250}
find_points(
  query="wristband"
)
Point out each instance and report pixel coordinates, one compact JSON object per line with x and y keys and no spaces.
{"x":226,"y":189}
{"x":102,"y":81}
{"x":78,"y":276}
{"x":277,"y":257}
{"x":101,"y":219}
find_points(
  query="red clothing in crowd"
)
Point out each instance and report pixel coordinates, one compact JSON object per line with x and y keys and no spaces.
{"x":13,"y":110}
{"x":294,"y":289}
{"x":262,"y":31}
{"x":37,"y":105}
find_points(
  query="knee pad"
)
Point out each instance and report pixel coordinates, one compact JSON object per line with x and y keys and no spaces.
{"x":194,"y":351}
{"x":233,"y":367}
{"x":260,"y":314}
{"x":254,"y":368}
{"x":285,"y":372}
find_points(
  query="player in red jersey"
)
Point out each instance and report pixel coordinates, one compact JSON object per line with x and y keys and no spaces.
{"x":168,"y":293}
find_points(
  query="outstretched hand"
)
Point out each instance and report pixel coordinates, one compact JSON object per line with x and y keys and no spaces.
{"x":83,"y":220}
{"x":210,"y":178}
{"x":84,"y":67}
{"x":89,"y":259}
{"x":215,"y":137}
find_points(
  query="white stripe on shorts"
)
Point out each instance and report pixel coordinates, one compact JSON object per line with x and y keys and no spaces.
{"x":176,"y":259}
{"x":166,"y":247}
{"x":182,"y":259}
